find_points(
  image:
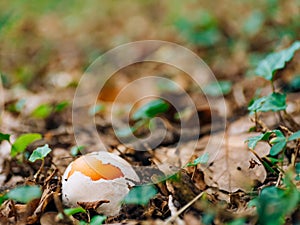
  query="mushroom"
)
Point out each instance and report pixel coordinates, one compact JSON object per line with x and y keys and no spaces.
{"x":98,"y":176}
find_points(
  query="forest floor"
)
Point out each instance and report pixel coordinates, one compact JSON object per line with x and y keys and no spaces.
{"x":222,"y":144}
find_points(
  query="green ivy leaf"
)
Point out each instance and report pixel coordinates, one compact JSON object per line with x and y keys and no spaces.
{"x":42,"y":111}
{"x":98,"y":220}
{"x":273,"y":204}
{"x":200,"y":160}
{"x":218,"y":88}
{"x":297,"y":170}
{"x":203,"y":31}
{"x":151,"y":109}
{"x":76,"y":149}
{"x":276,"y":61}
{"x":277,"y":148}
{"x":252,"y":141}
{"x":3,"y":197}
{"x":61,"y":106}
{"x":294,"y":136}
{"x":279,"y":143}
{"x":22,"y":142}
{"x":273,"y":102}
{"x":140,"y":195}
{"x":253,"y":23}
{"x":40,"y":153}
{"x":239,"y":221}
{"x":4,"y":137}
{"x":72,"y":211}
{"x":279,"y":135}
{"x":24,"y":194}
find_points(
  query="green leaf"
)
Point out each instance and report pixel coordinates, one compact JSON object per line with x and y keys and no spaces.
{"x":72,"y":211}
{"x":276,"y":61}
{"x":22,"y":142}
{"x":42,"y":111}
{"x":273,"y":102}
{"x":274,"y":160}
{"x":252,"y":141}
{"x":279,"y":143}
{"x":239,"y":221}
{"x":218,"y":88}
{"x":151,"y":109}
{"x":293,"y":85}
{"x":24,"y":194}
{"x":202,"y":31}
{"x":208,"y":218}
{"x":297,"y":170}
{"x":273,"y":204}
{"x":61,"y":106}
{"x":253,"y":23}
{"x":269,"y":168}
{"x":18,"y":106}
{"x":40,"y":153}
{"x":76,"y":149}
{"x":4,"y":137}
{"x":277,"y":148}
{"x":207,"y":37}
{"x":3,"y":198}
{"x":294,"y":136}
{"x":200,"y":160}
{"x":140,"y":195}
{"x":98,"y":220}
{"x":125,"y":132}
{"x":279,"y":134}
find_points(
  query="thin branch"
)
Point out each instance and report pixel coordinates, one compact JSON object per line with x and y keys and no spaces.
{"x":172,"y":218}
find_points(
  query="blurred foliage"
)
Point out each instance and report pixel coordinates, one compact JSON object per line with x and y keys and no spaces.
{"x":42,"y":38}
{"x":274,"y":203}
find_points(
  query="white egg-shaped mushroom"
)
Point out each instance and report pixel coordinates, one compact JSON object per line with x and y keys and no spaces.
{"x":98,"y":176}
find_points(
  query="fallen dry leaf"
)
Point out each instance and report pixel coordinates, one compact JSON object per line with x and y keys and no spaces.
{"x":92,"y":205}
{"x":230,"y":169}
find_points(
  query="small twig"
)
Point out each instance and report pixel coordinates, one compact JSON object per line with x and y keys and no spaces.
{"x":194,"y":171}
{"x":281,"y":119}
{"x":172,"y":218}
{"x":40,"y":170}
{"x":291,"y":120}
{"x":258,"y":122}
{"x":51,"y":176}
{"x":173,"y":211}
{"x":287,"y":130}
{"x":278,"y":180}
{"x":273,"y":86}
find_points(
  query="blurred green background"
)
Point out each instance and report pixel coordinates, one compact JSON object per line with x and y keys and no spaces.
{"x":40,"y":38}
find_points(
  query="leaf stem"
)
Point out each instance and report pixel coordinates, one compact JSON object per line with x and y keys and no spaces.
{"x":292,"y":122}
{"x":273,"y":86}
{"x":40,"y":170}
